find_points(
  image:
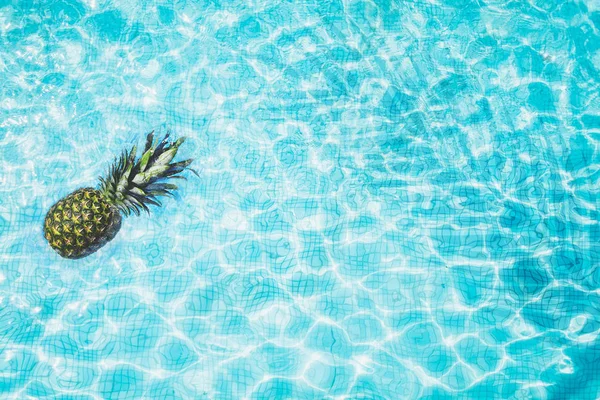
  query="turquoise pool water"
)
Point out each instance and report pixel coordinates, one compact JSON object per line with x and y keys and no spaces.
{"x":397,"y":200}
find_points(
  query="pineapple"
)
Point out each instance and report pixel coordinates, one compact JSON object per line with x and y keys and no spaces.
{"x":85,"y":220}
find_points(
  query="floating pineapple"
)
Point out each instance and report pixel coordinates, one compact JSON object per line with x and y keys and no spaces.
{"x":87,"y":219}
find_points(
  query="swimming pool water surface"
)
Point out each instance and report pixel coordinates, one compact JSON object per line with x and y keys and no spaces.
{"x":396,"y":199}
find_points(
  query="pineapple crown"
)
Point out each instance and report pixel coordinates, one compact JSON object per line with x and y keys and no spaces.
{"x":132,"y":184}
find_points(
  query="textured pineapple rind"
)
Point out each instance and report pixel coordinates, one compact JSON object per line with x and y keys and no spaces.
{"x":81,"y":223}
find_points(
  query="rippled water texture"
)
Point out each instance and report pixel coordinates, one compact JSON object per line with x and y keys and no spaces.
{"x":396,"y":199}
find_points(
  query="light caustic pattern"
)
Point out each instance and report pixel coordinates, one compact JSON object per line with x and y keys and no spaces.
{"x":396,"y":199}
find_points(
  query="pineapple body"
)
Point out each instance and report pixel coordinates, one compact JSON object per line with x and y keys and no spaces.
{"x":81,"y":223}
